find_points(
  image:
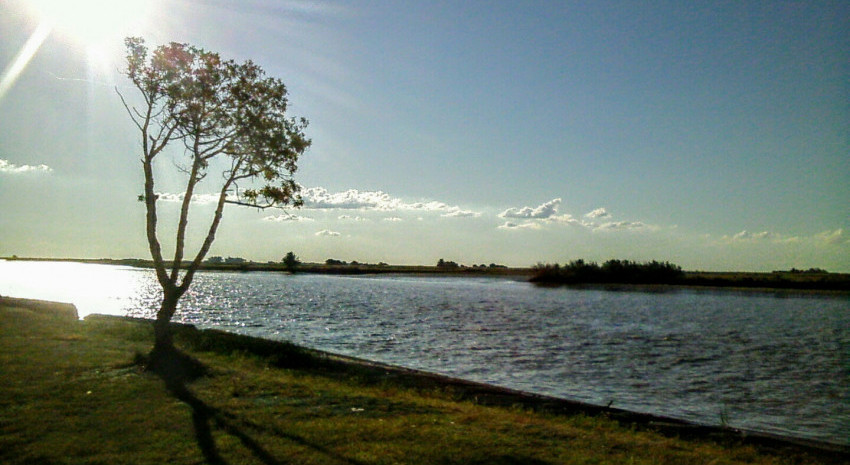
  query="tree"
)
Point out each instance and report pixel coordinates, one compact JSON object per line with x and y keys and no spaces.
{"x":221,"y":114}
{"x":442,"y":264}
{"x":291,"y":262}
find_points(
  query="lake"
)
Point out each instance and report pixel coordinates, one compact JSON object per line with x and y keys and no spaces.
{"x":773,"y":362}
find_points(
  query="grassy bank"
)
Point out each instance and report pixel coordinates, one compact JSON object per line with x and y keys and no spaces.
{"x":72,"y":392}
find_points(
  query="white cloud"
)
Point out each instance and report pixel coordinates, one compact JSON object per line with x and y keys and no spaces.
{"x":621,"y":226}
{"x":543,"y":211}
{"x":746,"y":235}
{"x":456,"y":212}
{"x":7,"y":167}
{"x":509,"y":225}
{"x":825,"y":238}
{"x":169,"y":197}
{"x":352,"y":218}
{"x":547,"y":213}
{"x":566,"y":219}
{"x":287,"y":217}
{"x":763,"y":236}
{"x":328,"y":233}
{"x":833,"y":237}
{"x":196,"y":198}
{"x":353,"y":199}
{"x":598,"y":213}
{"x":431,"y":206}
{"x":320,"y":198}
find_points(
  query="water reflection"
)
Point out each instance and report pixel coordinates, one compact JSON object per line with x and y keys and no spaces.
{"x":92,"y":288}
{"x":750,"y":359}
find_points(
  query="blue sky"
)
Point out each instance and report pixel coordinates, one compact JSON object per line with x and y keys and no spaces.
{"x":714,"y":135}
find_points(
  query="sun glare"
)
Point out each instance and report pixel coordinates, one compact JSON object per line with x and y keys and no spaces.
{"x":98,"y":26}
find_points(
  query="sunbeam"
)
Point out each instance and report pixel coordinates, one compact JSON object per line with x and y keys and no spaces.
{"x":14,"y":69}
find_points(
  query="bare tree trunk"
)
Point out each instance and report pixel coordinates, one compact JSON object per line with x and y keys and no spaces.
{"x":164,"y":359}
{"x":163,"y":340}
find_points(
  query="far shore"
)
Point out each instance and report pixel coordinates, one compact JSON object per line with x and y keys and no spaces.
{"x":783,"y":280}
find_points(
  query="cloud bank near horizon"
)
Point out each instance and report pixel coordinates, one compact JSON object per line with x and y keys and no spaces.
{"x":360,"y":209}
{"x":825,"y":238}
{"x":516,"y":218}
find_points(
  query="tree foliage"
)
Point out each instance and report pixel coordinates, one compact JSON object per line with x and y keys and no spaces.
{"x":447,"y":265}
{"x":221,"y":114}
{"x":612,"y":271}
{"x":291,"y":262}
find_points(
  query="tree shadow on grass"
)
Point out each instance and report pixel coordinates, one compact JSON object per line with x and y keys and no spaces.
{"x":177,"y":370}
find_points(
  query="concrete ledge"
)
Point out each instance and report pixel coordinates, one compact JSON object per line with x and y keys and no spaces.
{"x":65,"y":311}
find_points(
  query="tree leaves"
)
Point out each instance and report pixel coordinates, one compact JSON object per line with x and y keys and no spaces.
{"x":222,"y":108}
{"x":220,"y":111}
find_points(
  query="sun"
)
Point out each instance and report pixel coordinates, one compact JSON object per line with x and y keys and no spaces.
{"x":96,"y":25}
{"x":91,"y":22}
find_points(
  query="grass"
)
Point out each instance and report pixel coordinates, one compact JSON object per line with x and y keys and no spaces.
{"x":72,"y":392}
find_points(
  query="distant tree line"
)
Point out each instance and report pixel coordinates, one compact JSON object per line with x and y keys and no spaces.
{"x":612,"y":271}
{"x":217,"y":260}
{"x":809,"y":271}
{"x":451,"y":265}
{"x":335,"y":262}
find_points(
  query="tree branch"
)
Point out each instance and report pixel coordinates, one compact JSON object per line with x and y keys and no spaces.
{"x":153,"y":241}
{"x":127,"y":107}
{"x":184,"y":219}
{"x":252,"y":205}
{"x":205,"y":247}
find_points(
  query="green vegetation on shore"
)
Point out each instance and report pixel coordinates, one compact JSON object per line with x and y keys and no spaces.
{"x":654,"y":272}
{"x":74,"y":392}
{"x":612,"y":271}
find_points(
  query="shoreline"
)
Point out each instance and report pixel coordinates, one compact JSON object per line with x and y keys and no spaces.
{"x":378,"y":374}
{"x":493,"y":395}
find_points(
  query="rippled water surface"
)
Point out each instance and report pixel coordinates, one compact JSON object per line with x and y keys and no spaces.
{"x":769,"y":362}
